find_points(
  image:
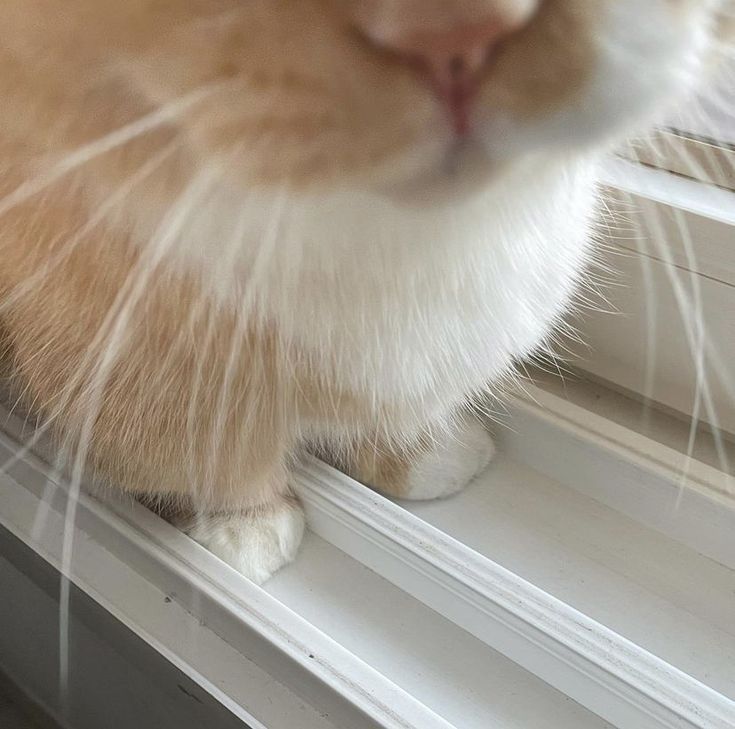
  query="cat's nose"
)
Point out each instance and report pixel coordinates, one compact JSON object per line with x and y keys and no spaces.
{"x":452,"y":55}
{"x":453,"y":59}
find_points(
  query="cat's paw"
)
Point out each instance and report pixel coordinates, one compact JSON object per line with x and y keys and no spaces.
{"x":256,"y":542}
{"x":451,"y":464}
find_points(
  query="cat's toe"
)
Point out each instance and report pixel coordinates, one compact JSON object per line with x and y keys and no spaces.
{"x":451,"y":464}
{"x":256,"y":542}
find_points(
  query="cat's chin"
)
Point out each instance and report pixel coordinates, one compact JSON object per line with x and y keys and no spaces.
{"x":464,"y":170}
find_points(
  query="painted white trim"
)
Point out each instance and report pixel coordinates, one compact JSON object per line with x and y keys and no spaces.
{"x":122,"y":544}
{"x":669,"y":189}
{"x":658,"y":486}
{"x":693,"y":155}
{"x":670,"y":248}
{"x":252,"y":653}
{"x":599,"y":669}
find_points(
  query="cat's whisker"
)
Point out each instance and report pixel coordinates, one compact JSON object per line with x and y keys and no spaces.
{"x":243,"y":325}
{"x":651,"y":328}
{"x":106,"y":208}
{"x":119,"y":137}
{"x":700,"y":346}
{"x":113,"y":334}
{"x":52,"y":412}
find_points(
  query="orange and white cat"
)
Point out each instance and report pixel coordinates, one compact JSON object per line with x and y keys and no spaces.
{"x":229,"y":228}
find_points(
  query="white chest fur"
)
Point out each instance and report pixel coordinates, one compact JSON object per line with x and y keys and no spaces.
{"x":410,"y":303}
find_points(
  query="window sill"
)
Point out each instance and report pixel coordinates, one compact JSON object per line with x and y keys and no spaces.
{"x":312,"y":643}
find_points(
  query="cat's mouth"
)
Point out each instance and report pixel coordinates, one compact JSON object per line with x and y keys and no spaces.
{"x":462,"y":169}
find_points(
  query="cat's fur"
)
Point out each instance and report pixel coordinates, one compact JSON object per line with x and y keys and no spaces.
{"x":231,"y":227}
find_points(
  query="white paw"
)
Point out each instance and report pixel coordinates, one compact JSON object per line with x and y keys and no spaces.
{"x":451,"y":464}
{"x":256,"y":544}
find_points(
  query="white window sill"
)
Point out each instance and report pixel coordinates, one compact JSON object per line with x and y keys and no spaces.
{"x":599,"y":528}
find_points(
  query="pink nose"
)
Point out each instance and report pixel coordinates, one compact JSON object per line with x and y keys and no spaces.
{"x":453,"y":59}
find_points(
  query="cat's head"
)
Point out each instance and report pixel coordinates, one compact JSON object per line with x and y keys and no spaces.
{"x":387,"y":92}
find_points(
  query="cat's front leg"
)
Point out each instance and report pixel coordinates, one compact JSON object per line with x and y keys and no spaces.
{"x":257,"y":540}
{"x":250,"y":518}
{"x":435,"y":465}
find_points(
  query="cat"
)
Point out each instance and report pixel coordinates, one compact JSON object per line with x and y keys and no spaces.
{"x":230,"y":229}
